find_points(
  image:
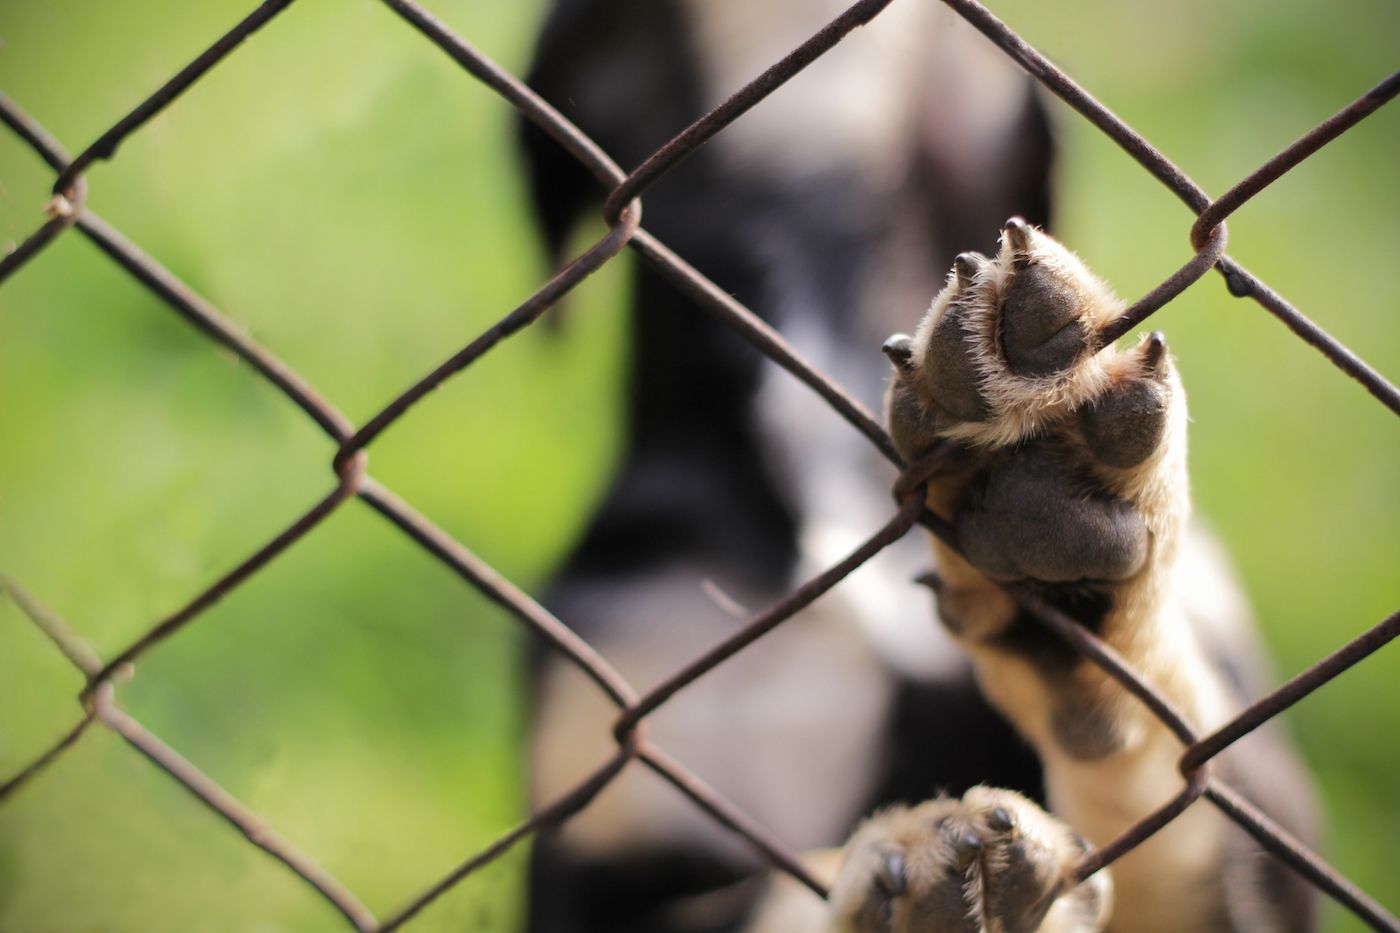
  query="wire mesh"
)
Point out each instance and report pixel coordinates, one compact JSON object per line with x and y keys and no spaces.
{"x":623,"y":213}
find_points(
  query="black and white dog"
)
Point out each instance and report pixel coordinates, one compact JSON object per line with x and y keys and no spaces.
{"x":833,"y":210}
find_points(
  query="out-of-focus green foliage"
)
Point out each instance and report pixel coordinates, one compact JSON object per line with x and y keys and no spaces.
{"x":344,"y":192}
{"x":352,"y":199}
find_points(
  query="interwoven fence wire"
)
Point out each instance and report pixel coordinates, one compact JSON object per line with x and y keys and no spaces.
{"x":623,"y":213}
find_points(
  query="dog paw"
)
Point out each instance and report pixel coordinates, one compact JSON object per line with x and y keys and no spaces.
{"x":1071,"y":470}
{"x":992,"y":862}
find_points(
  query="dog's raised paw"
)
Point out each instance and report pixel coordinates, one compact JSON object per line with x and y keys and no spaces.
{"x":1069,"y":479}
{"x":1073,"y":471}
{"x":992,"y":861}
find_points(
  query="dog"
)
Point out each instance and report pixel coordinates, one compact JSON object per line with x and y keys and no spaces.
{"x":831,"y":210}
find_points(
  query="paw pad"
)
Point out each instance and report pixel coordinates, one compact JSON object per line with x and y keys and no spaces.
{"x":1125,"y":424}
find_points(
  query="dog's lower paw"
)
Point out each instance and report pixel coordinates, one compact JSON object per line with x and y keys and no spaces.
{"x":1071,"y":471}
{"x":992,"y":862}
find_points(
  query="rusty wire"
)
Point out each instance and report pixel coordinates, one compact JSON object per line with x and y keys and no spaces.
{"x":623,"y":212}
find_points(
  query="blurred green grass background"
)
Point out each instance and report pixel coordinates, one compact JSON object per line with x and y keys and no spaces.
{"x":354,"y":201}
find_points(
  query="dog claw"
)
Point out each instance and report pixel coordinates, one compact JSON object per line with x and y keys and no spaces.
{"x":966,"y":266}
{"x":900,"y":349}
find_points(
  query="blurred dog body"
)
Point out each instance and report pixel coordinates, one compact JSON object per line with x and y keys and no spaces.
{"x":830,"y":210}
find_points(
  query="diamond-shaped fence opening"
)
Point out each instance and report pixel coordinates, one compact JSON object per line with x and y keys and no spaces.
{"x":69,"y":216}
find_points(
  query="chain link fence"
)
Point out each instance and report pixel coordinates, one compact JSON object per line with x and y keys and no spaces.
{"x":623,"y":213}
